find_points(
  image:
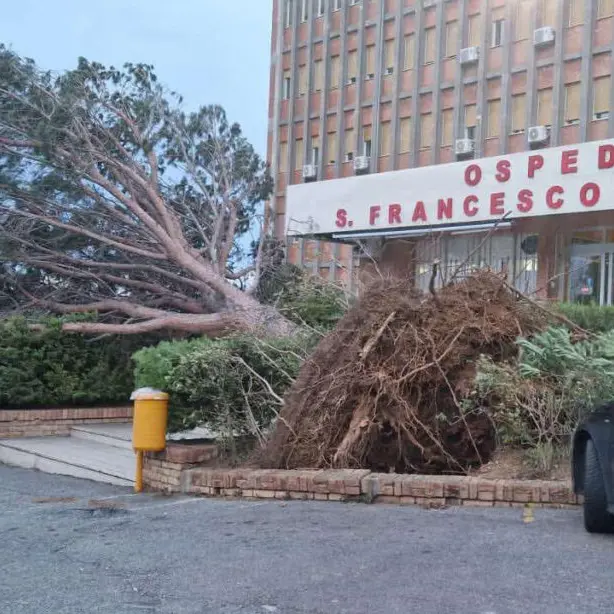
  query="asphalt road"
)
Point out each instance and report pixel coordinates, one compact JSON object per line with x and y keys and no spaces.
{"x":64,"y":553}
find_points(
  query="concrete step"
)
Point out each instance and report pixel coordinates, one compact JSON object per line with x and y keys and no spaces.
{"x":115,"y":435}
{"x":71,"y":456}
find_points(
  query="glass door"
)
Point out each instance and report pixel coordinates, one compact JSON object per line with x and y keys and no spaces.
{"x":590,"y":275}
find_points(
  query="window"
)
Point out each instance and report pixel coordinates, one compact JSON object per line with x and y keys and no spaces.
{"x":283,"y":157}
{"x":366,"y":141}
{"x":286,"y":85}
{"x":331,"y":147}
{"x":605,"y":8}
{"x":409,"y":51}
{"x":544,"y":107}
{"x":576,"y":12}
{"x":385,"y":139}
{"x":335,"y":71}
{"x":298,"y":154}
{"x":601,"y":98}
{"x":548,"y":12}
{"x":473,"y":36}
{"x":320,"y":8}
{"x":519,"y":107}
{"x":315,"y":150}
{"x":426,"y":130}
{"x":405,"y":134}
{"x":352,"y":66}
{"x":287,"y":13}
{"x":523,"y":20}
{"x":498,"y":28}
{"x":370,"y":62}
{"x":336,"y":5}
{"x":348,"y":148}
{"x":318,"y":76}
{"x":451,"y":39}
{"x":304,"y":10}
{"x":471,"y":120}
{"x":429,"y":46}
{"x":494,"y":118}
{"x":572,"y":104}
{"x":447,"y":127}
{"x":302,"y":80}
{"x":389,"y":57}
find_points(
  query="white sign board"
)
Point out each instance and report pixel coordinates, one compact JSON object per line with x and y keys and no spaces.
{"x":568,"y":179}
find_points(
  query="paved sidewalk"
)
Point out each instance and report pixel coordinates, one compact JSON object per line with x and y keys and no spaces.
{"x":71,"y":546}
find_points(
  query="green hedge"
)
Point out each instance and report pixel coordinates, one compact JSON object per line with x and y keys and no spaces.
{"x":48,"y":368}
{"x":228,"y":385}
{"x":594,"y":318}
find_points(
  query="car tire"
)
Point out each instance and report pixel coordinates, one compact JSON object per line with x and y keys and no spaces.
{"x":596,"y":516}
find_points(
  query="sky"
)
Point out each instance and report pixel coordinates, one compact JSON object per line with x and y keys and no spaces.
{"x":210,"y":51}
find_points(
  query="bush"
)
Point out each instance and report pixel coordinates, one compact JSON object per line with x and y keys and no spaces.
{"x":46,"y":367}
{"x":591,"y":317}
{"x":540,"y":399}
{"x":302,"y":297}
{"x":231,"y":386}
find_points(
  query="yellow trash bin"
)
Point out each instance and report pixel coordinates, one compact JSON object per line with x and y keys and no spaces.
{"x":149,"y":421}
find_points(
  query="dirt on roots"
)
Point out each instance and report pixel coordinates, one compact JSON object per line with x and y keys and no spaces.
{"x":384,"y":390}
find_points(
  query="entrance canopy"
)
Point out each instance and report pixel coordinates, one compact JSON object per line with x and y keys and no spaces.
{"x":568,"y":179}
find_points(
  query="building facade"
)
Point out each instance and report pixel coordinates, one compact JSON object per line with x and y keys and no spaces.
{"x":389,"y":103}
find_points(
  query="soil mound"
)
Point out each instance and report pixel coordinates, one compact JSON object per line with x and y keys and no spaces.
{"x":384,"y":390}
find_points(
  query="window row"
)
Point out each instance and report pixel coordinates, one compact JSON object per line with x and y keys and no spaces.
{"x":546,"y":14}
{"x":469,"y":123}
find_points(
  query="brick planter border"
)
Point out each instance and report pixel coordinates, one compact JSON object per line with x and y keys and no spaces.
{"x":177,"y":471}
{"x":44,"y":422}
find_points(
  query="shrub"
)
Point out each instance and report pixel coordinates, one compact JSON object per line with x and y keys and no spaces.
{"x":540,"y":399}
{"x":232,"y":386}
{"x":46,"y":367}
{"x":591,"y":317}
{"x":302,"y":297}
{"x":153,"y":365}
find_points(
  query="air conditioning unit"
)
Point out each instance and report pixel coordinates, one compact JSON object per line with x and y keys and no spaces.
{"x":464,"y":147}
{"x":369,"y":76}
{"x":351,"y":80}
{"x":310,"y":172}
{"x":537,"y":135}
{"x":601,"y":115}
{"x":469,"y":55}
{"x":543,"y":36}
{"x":428,"y":3}
{"x":361,"y":164}
{"x":389,"y":70}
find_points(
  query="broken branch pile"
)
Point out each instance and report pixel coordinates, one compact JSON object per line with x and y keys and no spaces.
{"x":384,"y":390}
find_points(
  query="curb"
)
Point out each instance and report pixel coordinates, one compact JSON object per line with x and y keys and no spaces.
{"x":355,"y":485}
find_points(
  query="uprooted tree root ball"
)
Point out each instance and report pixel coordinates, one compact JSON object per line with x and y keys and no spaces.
{"x":384,"y":390}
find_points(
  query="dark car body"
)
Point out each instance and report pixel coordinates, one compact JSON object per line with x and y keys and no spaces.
{"x":598,"y":428}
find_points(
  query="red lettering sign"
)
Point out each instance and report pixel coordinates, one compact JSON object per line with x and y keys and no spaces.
{"x":569,"y":162}
{"x":470,"y":205}
{"x":473,"y":175}
{"x":551,"y":201}
{"x":503,"y":171}
{"x":419,"y":214}
{"x":444,"y":208}
{"x":606,"y":156}
{"x":394,"y":214}
{"x":525,"y":201}
{"x":535,"y":163}
{"x":589,"y":194}
{"x":342,"y":218}
{"x":497,"y":202}
{"x":374,"y":214}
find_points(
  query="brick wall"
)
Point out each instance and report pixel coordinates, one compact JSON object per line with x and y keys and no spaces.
{"x":44,"y":422}
{"x":164,"y":471}
{"x":169,"y":472}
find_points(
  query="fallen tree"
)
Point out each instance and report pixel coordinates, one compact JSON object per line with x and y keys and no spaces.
{"x":384,"y":389}
{"x":115,"y":201}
